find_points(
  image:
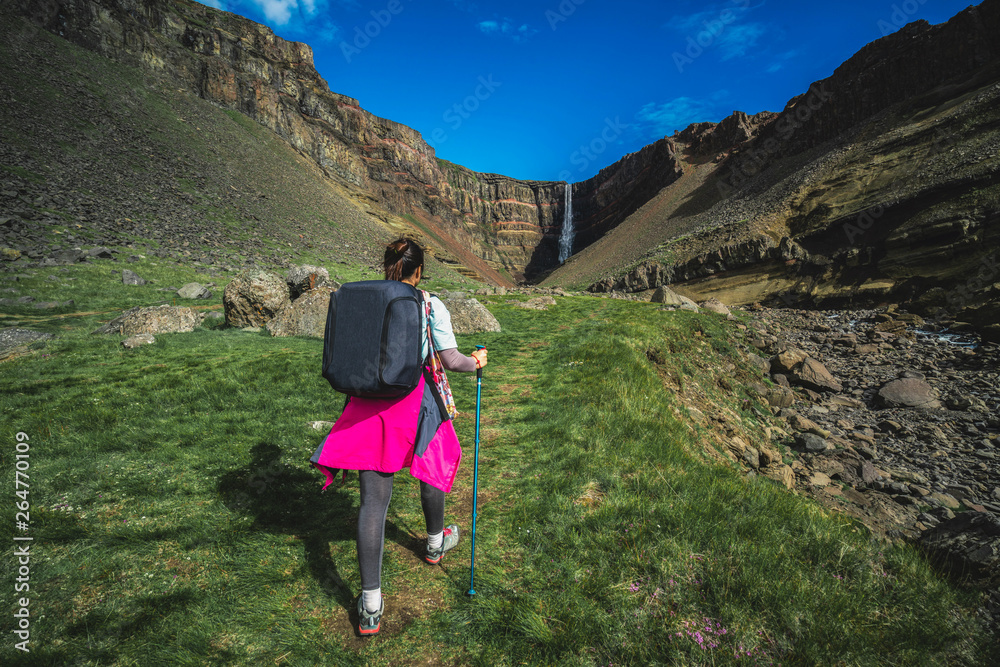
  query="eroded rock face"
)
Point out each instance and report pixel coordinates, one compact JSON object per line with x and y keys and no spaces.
{"x":301,"y":279}
{"x":254,"y":298}
{"x":306,"y":316}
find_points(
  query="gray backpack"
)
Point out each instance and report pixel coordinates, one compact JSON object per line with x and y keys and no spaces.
{"x":372,"y":347}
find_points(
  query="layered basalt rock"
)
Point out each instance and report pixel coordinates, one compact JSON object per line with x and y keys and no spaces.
{"x":494,"y":224}
{"x":601,"y":203}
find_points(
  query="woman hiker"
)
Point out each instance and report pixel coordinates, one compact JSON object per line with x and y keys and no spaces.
{"x":378,"y":437}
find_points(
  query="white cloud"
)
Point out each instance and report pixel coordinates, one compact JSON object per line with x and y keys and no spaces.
{"x":280,"y":11}
{"x":736,"y":40}
{"x":507,"y":28}
{"x":665,"y":118}
{"x":720,"y":27}
{"x":780,"y":60}
{"x":328,"y":32}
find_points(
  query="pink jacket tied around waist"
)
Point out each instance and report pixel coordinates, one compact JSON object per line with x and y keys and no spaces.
{"x":389,"y":434}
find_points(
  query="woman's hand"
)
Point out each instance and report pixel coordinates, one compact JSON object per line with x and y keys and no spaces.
{"x":480,"y":357}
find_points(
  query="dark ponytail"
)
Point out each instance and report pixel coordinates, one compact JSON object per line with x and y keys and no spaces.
{"x":402,"y":259}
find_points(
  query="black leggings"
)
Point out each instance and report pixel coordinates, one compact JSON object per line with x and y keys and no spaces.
{"x":376,"y":491}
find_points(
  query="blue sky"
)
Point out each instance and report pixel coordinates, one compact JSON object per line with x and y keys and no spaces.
{"x":559,"y":89}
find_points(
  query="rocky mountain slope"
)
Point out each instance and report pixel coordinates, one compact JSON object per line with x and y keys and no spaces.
{"x":879,"y":182}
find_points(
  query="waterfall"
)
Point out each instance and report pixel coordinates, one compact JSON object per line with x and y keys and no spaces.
{"x":566,"y":238}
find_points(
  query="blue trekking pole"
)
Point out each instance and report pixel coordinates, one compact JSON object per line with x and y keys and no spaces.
{"x":475,"y":476}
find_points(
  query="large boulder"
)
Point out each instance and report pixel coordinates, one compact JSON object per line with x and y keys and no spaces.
{"x":301,"y":279}
{"x":804,"y":371}
{"x":470,"y":316}
{"x":254,"y":298}
{"x":667,"y":297}
{"x":152,"y":320}
{"x":194,"y":291}
{"x":908,"y":393}
{"x":715,"y":306}
{"x":814,"y":375}
{"x":306,"y":316}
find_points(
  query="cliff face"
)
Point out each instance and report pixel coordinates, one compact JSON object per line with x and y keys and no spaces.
{"x":496,"y":227}
{"x":768,"y":176}
{"x":601,"y":203}
{"x":880,"y":183}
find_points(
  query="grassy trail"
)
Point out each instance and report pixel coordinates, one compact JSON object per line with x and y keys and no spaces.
{"x":177,"y":521}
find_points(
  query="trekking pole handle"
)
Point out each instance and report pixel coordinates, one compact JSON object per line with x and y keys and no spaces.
{"x":479,"y":371}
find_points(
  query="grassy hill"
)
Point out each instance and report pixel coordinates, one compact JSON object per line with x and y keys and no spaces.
{"x":176,"y":519}
{"x":96,"y":153}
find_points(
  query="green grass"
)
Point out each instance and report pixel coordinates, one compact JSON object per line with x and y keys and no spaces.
{"x":176,"y":520}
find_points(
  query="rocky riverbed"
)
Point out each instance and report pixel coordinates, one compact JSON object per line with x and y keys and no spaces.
{"x":895,"y":423}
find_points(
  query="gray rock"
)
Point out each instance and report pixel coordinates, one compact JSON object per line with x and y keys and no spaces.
{"x":810,"y":442}
{"x":666,"y":296}
{"x":867,"y":472}
{"x":470,"y":316}
{"x":908,"y":393}
{"x":131,"y":278}
{"x":812,"y":374}
{"x":71,"y":256}
{"x":100,"y":253}
{"x":538,"y":303}
{"x":151,"y":320}
{"x":306,"y":316}
{"x":715,"y":306}
{"x":9,"y":254}
{"x":138,"y":340}
{"x":689,"y":305}
{"x":14,"y":337}
{"x":254,"y":297}
{"x":194,"y":291}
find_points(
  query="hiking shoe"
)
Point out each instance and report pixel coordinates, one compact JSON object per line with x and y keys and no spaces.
{"x":369,"y":624}
{"x":450,"y":541}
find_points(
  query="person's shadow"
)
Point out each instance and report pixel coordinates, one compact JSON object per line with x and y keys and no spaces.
{"x":287,"y":500}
